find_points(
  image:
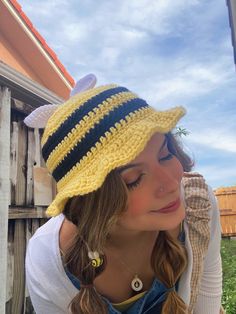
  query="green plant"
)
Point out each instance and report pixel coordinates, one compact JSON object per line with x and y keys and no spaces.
{"x":180,"y":131}
{"x":228,"y":253}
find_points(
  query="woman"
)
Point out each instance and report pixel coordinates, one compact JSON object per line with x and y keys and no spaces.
{"x":131,"y":232}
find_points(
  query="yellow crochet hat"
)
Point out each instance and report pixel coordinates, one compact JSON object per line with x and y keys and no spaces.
{"x":95,"y":132}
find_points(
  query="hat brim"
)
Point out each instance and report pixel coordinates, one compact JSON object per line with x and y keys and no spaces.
{"x":115,"y":150}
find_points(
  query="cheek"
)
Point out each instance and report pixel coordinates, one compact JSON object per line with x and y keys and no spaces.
{"x":137,"y":202}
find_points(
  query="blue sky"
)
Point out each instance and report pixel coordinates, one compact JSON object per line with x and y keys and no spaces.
{"x":169,"y":52}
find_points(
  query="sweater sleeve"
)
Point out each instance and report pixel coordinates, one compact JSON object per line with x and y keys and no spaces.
{"x":210,"y":292}
{"x":49,"y":288}
{"x":37,"y":287}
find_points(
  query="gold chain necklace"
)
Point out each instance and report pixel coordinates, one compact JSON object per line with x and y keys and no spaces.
{"x":136,"y":283}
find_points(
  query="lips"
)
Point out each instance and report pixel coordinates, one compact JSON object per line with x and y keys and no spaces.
{"x":171,"y":207}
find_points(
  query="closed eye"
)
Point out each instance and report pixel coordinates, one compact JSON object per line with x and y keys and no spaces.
{"x":167,"y":157}
{"x":135,"y":183}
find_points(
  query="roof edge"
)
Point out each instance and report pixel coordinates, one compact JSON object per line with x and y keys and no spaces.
{"x":15,"y":77}
{"x":41,"y":43}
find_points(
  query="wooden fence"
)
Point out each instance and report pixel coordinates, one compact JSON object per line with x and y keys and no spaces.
{"x":25,"y":214}
{"x":226,"y":198}
{"x":5,"y":97}
{"x":21,"y":195}
{"x":19,"y":232}
{"x":228,"y":222}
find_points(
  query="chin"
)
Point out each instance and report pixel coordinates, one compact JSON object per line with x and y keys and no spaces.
{"x":170,"y":221}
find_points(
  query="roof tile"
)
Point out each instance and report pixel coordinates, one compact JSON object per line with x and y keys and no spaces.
{"x":26,"y":19}
{"x":39,"y":37}
{"x":52,"y":53}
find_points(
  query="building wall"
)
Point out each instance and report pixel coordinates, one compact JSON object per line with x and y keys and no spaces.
{"x":10,"y":56}
{"x":25,"y":50}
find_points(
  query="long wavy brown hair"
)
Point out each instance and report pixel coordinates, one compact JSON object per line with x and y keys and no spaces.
{"x":95,"y":214}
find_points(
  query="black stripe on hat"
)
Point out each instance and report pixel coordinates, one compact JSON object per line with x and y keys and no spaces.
{"x":94,"y":134}
{"x":76,"y":117}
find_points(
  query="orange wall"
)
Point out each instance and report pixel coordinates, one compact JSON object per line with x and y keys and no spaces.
{"x":10,"y":56}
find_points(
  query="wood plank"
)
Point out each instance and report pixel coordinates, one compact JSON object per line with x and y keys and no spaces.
{"x":31,"y":226}
{"x":14,"y":159}
{"x":43,"y":183}
{"x":27,"y":212}
{"x":21,"y":164}
{"x":18,"y":162}
{"x":21,"y":106}
{"x":28,"y":309}
{"x":5,"y":106}
{"x":228,"y":214}
{"x":43,"y":186}
{"x":228,"y":224}
{"x":19,"y":267}
{"x":227,"y":199}
{"x":30,"y":165}
{"x":10,"y":260}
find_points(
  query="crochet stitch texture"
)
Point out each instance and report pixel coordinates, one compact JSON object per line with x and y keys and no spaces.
{"x":95,"y":132}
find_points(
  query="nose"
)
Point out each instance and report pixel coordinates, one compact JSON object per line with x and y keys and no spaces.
{"x":166,"y":180}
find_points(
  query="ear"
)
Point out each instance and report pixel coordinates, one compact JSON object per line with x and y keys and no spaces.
{"x":85,"y":83}
{"x":39,"y":117}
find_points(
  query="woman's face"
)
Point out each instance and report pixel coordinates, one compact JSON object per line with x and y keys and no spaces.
{"x":153,"y":180}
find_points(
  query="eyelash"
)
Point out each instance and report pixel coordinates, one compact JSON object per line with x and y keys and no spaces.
{"x":136,"y":183}
{"x":168,"y":157}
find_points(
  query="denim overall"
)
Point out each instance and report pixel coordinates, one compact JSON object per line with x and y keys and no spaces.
{"x":150,"y":303}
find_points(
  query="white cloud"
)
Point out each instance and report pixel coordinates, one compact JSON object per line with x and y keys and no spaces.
{"x":215,"y":139}
{"x":75,"y":31}
{"x":110,"y":54}
{"x":44,"y":9}
{"x":169,"y":52}
{"x":154,"y":16}
{"x":181,"y":80}
{"x":218,"y":176}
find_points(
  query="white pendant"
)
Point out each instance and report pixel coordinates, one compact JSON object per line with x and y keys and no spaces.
{"x":137,"y":284}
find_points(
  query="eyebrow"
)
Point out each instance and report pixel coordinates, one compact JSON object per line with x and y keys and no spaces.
{"x":130,"y":166}
{"x":121,"y":169}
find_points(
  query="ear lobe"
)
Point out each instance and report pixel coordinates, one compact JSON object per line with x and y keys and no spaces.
{"x":39,"y":117}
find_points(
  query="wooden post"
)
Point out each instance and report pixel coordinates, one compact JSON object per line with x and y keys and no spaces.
{"x":5,"y":110}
